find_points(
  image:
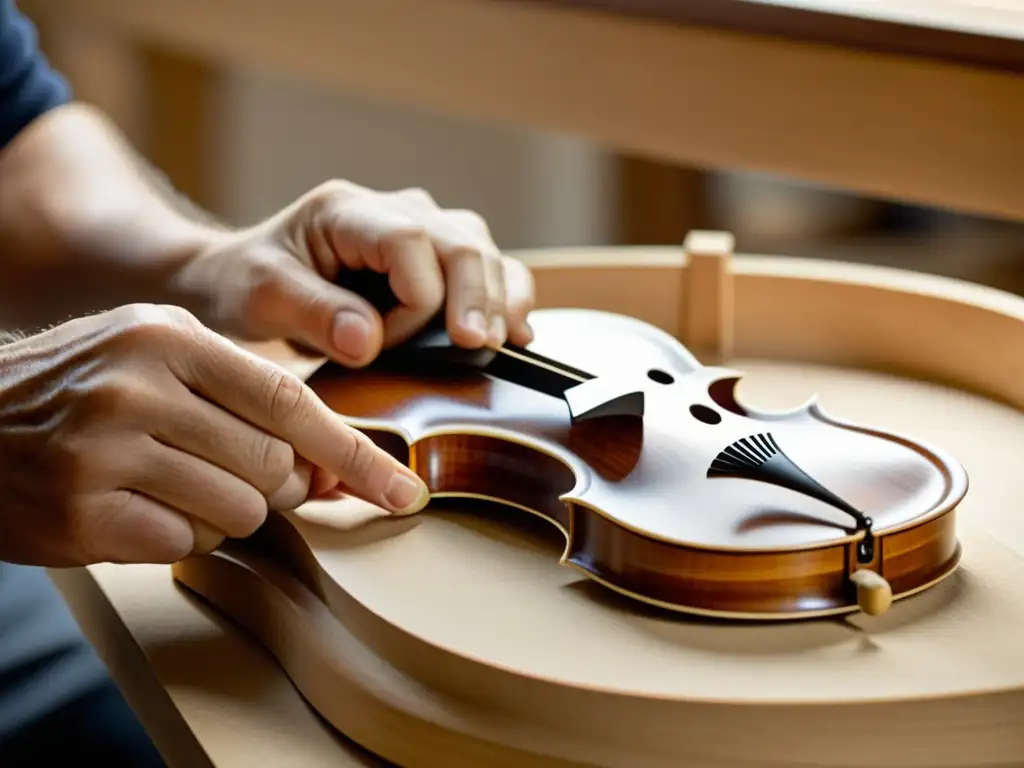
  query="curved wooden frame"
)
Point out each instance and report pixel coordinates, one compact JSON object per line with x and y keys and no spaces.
{"x":417,"y":703}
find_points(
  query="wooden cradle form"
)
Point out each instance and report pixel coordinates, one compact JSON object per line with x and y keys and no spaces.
{"x":452,"y":640}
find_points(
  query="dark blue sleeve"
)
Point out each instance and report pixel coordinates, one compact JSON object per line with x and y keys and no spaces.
{"x":29,"y":86}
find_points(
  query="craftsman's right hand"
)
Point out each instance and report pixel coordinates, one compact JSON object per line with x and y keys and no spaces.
{"x":138,"y":435}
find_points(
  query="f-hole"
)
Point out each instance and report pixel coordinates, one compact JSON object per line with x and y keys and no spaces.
{"x":660,"y":376}
{"x":705,"y":414}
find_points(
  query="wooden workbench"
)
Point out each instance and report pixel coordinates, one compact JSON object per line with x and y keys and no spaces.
{"x":921,"y":101}
{"x":915,"y":100}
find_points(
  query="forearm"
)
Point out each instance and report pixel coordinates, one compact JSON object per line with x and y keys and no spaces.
{"x":85,"y":224}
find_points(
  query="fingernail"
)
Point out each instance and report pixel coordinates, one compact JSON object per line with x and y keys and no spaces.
{"x":475,"y":321}
{"x":351,"y":334}
{"x":406,"y":495}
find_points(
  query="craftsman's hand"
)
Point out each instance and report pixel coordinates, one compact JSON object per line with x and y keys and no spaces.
{"x":275,"y":280}
{"x":138,"y":435}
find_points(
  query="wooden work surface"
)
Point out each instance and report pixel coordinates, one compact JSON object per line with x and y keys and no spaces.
{"x":210,"y":696}
{"x":207,"y":695}
{"x":919,"y":101}
{"x":231,"y":701}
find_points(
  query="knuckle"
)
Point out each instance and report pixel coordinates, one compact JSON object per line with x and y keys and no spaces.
{"x":359,"y":454}
{"x":251,"y":513}
{"x":261,"y":278}
{"x":288,"y":496}
{"x":261,"y":270}
{"x":276,"y":460}
{"x":117,"y":398}
{"x":102,"y":401}
{"x":329,"y":192}
{"x":286,"y":397}
{"x":74,"y":461}
{"x":492,"y":261}
{"x":417,"y":196}
{"x":205,"y":538}
{"x":149,"y":326}
{"x":476,"y":297}
{"x":176,"y":315}
{"x":474,"y":293}
{"x":175,"y":547}
{"x":145,"y":315}
{"x":471,"y":220}
{"x":415,"y":238}
{"x":496,"y":280}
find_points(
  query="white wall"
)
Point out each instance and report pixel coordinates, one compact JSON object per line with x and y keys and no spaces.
{"x":282,"y":138}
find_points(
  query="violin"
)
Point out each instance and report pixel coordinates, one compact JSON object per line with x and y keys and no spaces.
{"x":667,"y":488}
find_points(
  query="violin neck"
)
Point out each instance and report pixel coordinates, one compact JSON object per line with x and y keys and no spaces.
{"x":432,"y":351}
{"x":528,"y":369}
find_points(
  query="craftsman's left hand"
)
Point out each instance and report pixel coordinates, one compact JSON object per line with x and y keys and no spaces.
{"x":274,"y":281}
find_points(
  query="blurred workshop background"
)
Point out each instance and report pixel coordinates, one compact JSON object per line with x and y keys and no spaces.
{"x":264,"y":138}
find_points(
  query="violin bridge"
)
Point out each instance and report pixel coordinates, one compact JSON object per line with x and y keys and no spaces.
{"x":600,"y":397}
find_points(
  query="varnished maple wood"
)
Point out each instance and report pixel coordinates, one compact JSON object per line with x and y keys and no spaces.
{"x":630,"y":496}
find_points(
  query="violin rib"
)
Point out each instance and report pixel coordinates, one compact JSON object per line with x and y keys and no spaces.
{"x":682,"y":498}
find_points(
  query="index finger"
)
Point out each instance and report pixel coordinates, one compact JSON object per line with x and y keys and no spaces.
{"x":277,"y":401}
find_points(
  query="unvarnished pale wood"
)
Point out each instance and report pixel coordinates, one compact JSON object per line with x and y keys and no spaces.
{"x":451,"y":639}
{"x":932,"y":131}
{"x":986,"y":33}
{"x":206,"y":695}
{"x":709,"y":306}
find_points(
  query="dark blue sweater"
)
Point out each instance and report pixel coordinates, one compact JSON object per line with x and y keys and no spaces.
{"x":28,"y":85}
{"x":44,"y":660}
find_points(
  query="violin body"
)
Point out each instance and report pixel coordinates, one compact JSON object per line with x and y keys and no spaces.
{"x":667,"y":488}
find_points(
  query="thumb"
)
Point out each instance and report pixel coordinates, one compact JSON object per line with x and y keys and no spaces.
{"x":299,"y":305}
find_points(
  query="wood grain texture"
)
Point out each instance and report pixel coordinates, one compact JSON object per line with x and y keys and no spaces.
{"x":989,"y":34}
{"x":429,"y":639}
{"x":483,"y":639}
{"x":936,"y":132}
{"x":633,"y":498}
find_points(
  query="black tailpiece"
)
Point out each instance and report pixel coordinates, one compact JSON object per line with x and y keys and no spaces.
{"x":759,"y":457}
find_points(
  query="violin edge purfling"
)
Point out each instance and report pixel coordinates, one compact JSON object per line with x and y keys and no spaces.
{"x":777,"y":584}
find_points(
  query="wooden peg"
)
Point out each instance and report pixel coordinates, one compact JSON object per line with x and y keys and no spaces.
{"x":708,"y":311}
{"x":874,"y":595}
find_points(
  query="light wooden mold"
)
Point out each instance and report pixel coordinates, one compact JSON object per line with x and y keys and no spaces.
{"x":454,"y":638}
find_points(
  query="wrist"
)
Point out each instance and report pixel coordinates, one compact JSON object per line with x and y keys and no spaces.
{"x":135,"y":258}
{"x":196,"y":279}
{"x":87,"y":224}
